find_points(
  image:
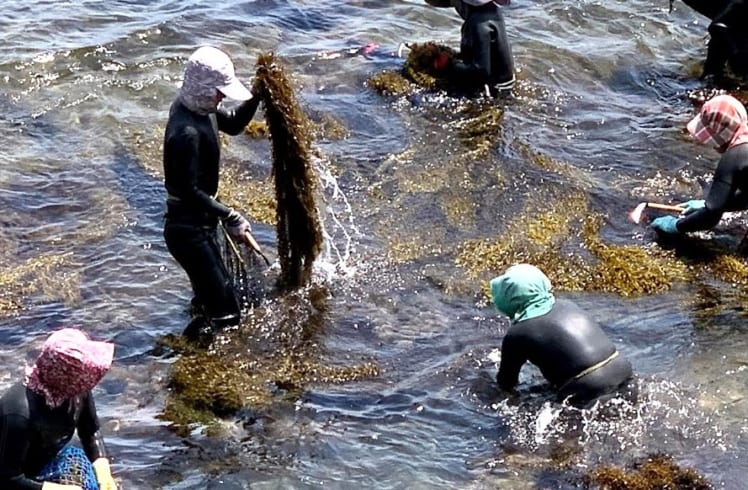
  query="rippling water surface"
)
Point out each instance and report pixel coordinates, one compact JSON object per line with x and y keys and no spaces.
{"x":84,"y":96}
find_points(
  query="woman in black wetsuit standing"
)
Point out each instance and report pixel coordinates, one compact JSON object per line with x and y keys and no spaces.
{"x":722,"y":124}
{"x":485,"y":63}
{"x":570,"y":349}
{"x":191,"y":161}
{"x":39,"y":416}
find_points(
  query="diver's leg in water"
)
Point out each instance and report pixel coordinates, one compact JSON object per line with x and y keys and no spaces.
{"x":196,"y":249}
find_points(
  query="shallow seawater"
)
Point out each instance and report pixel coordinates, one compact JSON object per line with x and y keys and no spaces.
{"x":603,"y":88}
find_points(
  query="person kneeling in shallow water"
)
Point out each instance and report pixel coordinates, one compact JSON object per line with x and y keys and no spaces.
{"x":722,"y":124}
{"x":39,"y":416}
{"x":485,"y":54}
{"x":568,"y":347}
{"x":192,"y":155}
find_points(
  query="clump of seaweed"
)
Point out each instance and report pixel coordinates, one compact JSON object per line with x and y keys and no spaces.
{"x":419,"y":66}
{"x":656,"y":472}
{"x":271,"y":357}
{"x":298,"y":226}
{"x":390,"y":83}
{"x":325,"y":126}
{"x":36,"y":275}
{"x":256,"y":129}
{"x":253,"y":197}
{"x":564,"y":242}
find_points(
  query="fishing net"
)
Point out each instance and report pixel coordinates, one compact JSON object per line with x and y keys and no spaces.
{"x":237,"y":261}
{"x":298,"y":225}
{"x":70,"y":467}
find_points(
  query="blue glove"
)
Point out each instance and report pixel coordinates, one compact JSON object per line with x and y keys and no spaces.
{"x":693,"y":205}
{"x":665,"y":224}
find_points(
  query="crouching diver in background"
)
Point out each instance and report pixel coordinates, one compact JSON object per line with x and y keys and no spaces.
{"x":191,"y":162}
{"x":39,"y":416}
{"x":568,"y":347}
{"x":485,"y":63}
{"x":722,"y":124}
{"x":728,"y":31}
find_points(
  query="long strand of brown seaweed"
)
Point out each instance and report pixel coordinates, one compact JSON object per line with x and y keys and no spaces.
{"x":298,"y":226}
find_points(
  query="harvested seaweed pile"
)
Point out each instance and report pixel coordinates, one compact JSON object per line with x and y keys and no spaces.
{"x":298,"y":225}
{"x":657,"y":471}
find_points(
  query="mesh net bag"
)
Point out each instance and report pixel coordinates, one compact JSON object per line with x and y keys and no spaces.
{"x":70,"y":467}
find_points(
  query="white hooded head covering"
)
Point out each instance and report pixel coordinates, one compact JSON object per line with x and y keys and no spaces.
{"x":207,"y":70}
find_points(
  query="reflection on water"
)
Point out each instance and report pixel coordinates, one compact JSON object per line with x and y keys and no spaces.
{"x":602,"y":98}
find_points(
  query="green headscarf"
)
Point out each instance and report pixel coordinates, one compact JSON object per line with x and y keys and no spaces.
{"x":522,"y":292}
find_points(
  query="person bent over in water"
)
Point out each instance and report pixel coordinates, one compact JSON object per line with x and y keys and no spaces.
{"x":728,"y":31}
{"x":39,"y":416}
{"x":568,"y":347}
{"x":722,"y":124}
{"x":485,"y":63}
{"x":192,"y":154}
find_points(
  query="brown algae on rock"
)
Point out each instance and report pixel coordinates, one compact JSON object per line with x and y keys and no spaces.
{"x":656,"y":472}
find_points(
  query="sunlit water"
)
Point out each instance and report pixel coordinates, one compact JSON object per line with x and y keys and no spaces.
{"x":85,"y":91}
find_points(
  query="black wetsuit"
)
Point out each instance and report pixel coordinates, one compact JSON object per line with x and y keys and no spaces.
{"x":729,"y":191}
{"x":485,"y":53}
{"x":564,"y":343}
{"x":728,"y":35}
{"x":191,"y":161}
{"x":31,"y":434}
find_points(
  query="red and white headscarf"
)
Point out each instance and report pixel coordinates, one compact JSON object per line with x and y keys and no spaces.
{"x":69,"y":365}
{"x":722,"y":123}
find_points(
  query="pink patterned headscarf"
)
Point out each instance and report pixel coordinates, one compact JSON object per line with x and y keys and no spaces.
{"x":722,"y":123}
{"x":69,"y":365}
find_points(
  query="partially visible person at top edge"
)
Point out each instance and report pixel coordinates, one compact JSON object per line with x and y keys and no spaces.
{"x":570,"y":349}
{"x":728,"y":36}
{"x":722,"y":123}
{"x":485,"y":63}
{"x":191,"y":169}
{"x":39,"y":416}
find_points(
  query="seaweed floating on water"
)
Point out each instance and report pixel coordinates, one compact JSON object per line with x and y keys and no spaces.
{"x":36,"y":275}
{"x":256,"y":129}
{"x":564,"y":242}
{"x":656,"y":472}
{"x":271,"y":357}
{"x":298,"y":227}
{"x":389,"y":83}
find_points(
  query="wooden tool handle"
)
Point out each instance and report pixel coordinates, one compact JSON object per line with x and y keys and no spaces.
{"x":665,"y":207}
